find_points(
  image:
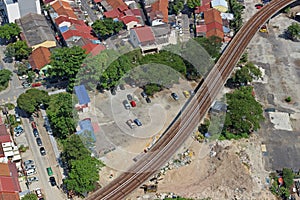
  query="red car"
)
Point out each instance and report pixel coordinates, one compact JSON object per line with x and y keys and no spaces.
{"x":259,"y":6}
{"x":33,"y":125}
{"x":36,"y":84}
{"x":133,"y":104}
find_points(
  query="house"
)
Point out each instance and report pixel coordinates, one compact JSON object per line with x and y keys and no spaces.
{"x":117,"y":5}
{"x":35,"y":31}
{"x":39,"y":58}
{"x":143,"y":37}
{"x":9,"y":184}
{"x":220,"y":5}
{"x":84,"y":101}
{"x":62,"y":8}
{"x":161,"y":34}
{"x":157,"y":11}
{"x":15,"y":9}
{"x":213,"y":22}
{"x":130,"y":21}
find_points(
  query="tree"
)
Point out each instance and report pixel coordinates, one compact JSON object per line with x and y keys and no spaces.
{"x":246,"y":74}
{"x":150,"y":89}
{"x":66,"y":63}
{"x":31,"y":100}
{"x":176,"y":6}
{"x":193,"y":3}
{"x":244,"y":112}
{"x":107,"y":27}
{"x":9,"y":31}
{"x":61,"y":114}
{"x":19,"y":50}
{"x":30,"y":196}
{"x":288,"y":177}
{"x":5,"y":76}
{"x":294,"y":30}
{"x":83,"y":175}
{"x":212,"y":45}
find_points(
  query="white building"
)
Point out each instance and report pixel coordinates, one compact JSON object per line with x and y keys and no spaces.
{"x":10,"y":10}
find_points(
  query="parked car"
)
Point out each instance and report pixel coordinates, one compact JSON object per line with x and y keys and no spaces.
{"x":126,"y":104}
{"x":33,"y":125}
{"x":28,"y":162}
{"x":175,"y":96}
{"x":148,"y":100}
{"x":38,"y":192}
{"x":52,"y":181}
{"x":132,"y":103}
{"x":49,"y":171}
{"x":30,"y":172}
{"x":31,"y":119}
{"x":28,"y":167}
{"x":192,"y":92}
{"x":131,"y":124}
{"x":39,"y":141}
{"x":186,"y":94}
{"x":32,"y":179}
{"x":38,"y":84}
{"x":17,"y":117}
{"x":129,"y":97}
{"x":35,"y":132}
{"x":113,"y":91}
{"x":43,"y":151}
{"x":137,"y":122}
{"x":144,"y":95}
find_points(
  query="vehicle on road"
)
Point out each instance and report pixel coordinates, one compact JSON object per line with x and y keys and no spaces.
{"x":175,"y":96}
{"x":186,"y":94}
{"x":126,"y":104}
{"x":49,"y":171}
{"x":52,"y":181}
{"x":129,"y":97}
{"x":144,"y":95}
{"x":38,"y":192}
{"x":33,"y":125}
{"x":148,"y":100}
{"x":39,"y":141}
{"x":31,"y":119}
{"x":18,"y":129}
{"x":30,"y":172}
{"x":42,"y":151}
{"x":32,"y":179}
{"x":137,"y":122}
{"x":35,"y":132}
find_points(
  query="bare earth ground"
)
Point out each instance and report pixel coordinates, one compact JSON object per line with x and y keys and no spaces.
{"x":237,"y":171}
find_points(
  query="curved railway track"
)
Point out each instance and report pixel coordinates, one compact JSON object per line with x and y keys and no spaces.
{"x":188,"y":118}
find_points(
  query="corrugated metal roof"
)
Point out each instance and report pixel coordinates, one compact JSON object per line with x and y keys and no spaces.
{"x":82,"y":94}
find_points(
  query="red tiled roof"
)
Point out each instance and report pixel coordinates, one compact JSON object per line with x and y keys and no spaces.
{"x":205,"y":2}
{"x":200,"y":9}
{"x":5,"y":138}
{"x":62,"y":19}
{"x":117,"y":4}
{"x":144,"y":34}
{"x":70,"y":33}
{"x":94,"y":49}
{"x":201,"y":28}
{"x":60,"y":3}
{"x":63,"y":8}
{"x":4,"y":169}
{"x":97,"y":1}
{"x":162,"y":6}
{"x":127,"y":19}
{"x":136,"y":12}
{"x":47,"y":1}
{"x":9,"y":196}
{"x":215,"y":32}
{"x":66,"y":12}
{"x":7,"y":184}
{"x":214,"y":25}
{"x":3,"y":130}
{"x":114,"y":13}
{"x":39,"y":58}
{"x":212,"y":15}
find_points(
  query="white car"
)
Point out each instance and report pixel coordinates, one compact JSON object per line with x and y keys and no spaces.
{"x":32,"y":179}
{"x":38,"y":192}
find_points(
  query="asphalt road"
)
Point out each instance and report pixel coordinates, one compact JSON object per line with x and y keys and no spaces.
{"x":86,"y":7}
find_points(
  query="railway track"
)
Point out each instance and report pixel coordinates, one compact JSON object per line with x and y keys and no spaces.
{"x":188,"y":118}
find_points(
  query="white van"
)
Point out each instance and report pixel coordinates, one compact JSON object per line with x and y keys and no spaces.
{"x":30,"y":172}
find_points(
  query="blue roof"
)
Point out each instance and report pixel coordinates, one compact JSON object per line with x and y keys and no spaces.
{"x":63,"y":29}
{"x":82,"y":94}
{"x":226,"y":30}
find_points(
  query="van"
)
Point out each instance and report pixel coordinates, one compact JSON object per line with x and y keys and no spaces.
{"x":30,"y":172}
{"x":49,"y":171}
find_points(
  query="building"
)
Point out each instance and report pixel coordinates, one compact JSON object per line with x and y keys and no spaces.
{"x":213,"y":22}
{"x":157,"y":11}
{"x":35,"y":31}
{"x":84,"y":101}
{"x":130,"y":21}
{"x":9,"y":184}
{"x":15,"y":9}
{"x":62,"y":8}
{"x":220,"y":5}
{"x":143,"y":37}
{"x":39,"y":58}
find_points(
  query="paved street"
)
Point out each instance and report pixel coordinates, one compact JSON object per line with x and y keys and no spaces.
{"x":86,"y":7}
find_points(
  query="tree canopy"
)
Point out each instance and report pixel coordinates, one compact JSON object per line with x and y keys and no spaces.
{"x":19,"y":50}
{"x":246,"y":73}
{"x":66,"y":63}
{"x":176,"y":6}
{"x":107,"y":27}
{"x":244,"y":112}
{"x":288,"y":177}
{"x":5,"y":76}
{"x":61,"y":114}
{"x":30,"y":196}
{"x":193,"y":3}
{"x":212,"y":45}
{"x":9,"y":31}
{"x":31,"y":99}
{"x":294,"y":30}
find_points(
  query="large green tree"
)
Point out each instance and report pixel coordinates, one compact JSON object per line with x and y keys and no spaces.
{"x":31,"y":100}
{"x":30,"y":196}
{"x":61,"y":114}
{"x":66,"y":62}
{"x":246,"y":73}
{"x":294,"y":30}
{"x":19,"y":50}
{"x":9,"y":31}
{"x":288,"y":177}
{"x":244,"y":112}
{"x":5,"y":76}
{"x":176,"y":6}
{"x":193,"y":3}
{"x":212,"y":45}
{"x":107,"y":27}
